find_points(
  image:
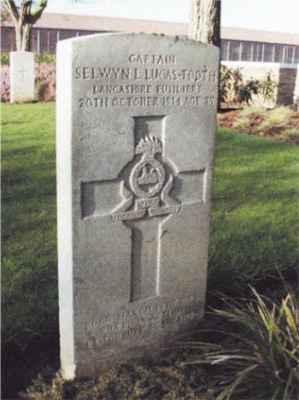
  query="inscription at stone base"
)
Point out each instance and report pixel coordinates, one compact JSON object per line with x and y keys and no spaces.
{"x":136,"y":118}
{"x":150,"y":318}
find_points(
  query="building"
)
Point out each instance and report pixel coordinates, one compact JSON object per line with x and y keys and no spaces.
{"x":51,"y":28}
{"x":256,"y":52}
{"x":236,"y":44}
{"x":258,"y":46}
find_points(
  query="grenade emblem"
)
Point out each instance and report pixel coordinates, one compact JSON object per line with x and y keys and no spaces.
{"x":149,"y":185}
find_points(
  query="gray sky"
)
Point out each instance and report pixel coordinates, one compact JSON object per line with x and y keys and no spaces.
{"x":270,"y":15}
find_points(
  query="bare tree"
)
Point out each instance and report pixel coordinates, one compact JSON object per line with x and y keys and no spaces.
{"x":205,"y":21}
{"x":24,"y":18}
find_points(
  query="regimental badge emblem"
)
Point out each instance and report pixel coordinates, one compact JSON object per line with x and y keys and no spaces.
{"x":147,"y":191}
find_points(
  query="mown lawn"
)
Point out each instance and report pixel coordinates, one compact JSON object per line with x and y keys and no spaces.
{"x":255,"y":210}
{"x":254,"y":222}
{"x":29,"y":263}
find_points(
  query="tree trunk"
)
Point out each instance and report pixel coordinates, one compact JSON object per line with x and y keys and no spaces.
{"x":205,"y":21}
{"x":23,"y":37}
{"x":26,"y":44}
{"x":18,"y":30}
{"x":23,"y":19}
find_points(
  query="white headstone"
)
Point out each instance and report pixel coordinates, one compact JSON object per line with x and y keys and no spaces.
{"x":21,"y":76}
{"x":136,"y":118}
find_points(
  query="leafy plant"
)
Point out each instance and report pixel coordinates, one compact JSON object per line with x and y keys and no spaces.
{"x":231,"y":81}
{"x":238,"y":82}
{"x":225,"y":83}
{"x":252,"y":110}
{"x":247,"y":90}
{"x":260,"y":354}
{"x":4,"y":58}
{"x":234,"y":89}
{"x":242,"y":123}
{"x":45,"y":82}
{"x":267,"y":87}
{"x":47,"y":58}
{"x":291,"y":134}
{"x":278,"y":116}
{"x":5,"y":84}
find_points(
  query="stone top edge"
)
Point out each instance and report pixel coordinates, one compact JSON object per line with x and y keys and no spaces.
{"x":175,"y":38}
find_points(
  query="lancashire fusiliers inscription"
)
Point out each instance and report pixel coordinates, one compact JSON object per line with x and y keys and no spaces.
{"x":136,"y":118}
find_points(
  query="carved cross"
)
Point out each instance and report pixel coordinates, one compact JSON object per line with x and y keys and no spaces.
{"x":23,"y":71}
{"x":145,"y":186}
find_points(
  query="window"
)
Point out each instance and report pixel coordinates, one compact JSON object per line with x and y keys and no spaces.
{"x":66,"y":34}
{"x":34,"y":40}
{"x":224,"y":49}
{"x":268,"y":52}
{"x":278,"y":57}
{"x":52,"y":40}
{"x":246,"y":51}
{"x":234,"y":51}
{"x":257,"y":51}
{"x":288,"y":54}
{"x":43,"y":40}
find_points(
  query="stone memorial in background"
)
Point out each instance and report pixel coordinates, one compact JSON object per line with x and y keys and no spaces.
{"x":21,"y":76}
{"x":136,"y":117}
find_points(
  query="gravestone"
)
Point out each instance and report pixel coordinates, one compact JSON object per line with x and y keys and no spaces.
{"x":21,"y":76}
{"x":136,"y":117}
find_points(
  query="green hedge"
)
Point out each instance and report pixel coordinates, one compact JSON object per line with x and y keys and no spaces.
{"x":39,"y":58}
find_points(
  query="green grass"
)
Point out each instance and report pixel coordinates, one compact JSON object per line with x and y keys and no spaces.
{"x":254,"y":210}
{"x":29,"y":265}
{"x":254,"y":218}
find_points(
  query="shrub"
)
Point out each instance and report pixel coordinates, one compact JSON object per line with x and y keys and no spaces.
{"x":38,"y":57}
{"x":5,"y":84}
{"x":234,"y":89}
{"x":276,"y":118}
{"x":4,"y":58}
{"x":279,"y":116}
{"x":260,"y":354}
{"x":291,"y":134}
{"x":45,"y":82}
{"x":247,"y":90}
{"x":242,"y":123}
{"x":47,"y":58}
{"x":225,"y":83}
{"x":252,"y":110}
{"x":267,"y":87}
{"x":231,"y":82}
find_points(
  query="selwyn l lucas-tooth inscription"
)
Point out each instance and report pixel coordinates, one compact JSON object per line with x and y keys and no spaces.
{"x":136,"y":117}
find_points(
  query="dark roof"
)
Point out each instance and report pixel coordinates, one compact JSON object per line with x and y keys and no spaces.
{"x":109,"y":24}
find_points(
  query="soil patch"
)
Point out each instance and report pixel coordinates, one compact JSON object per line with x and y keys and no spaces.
{"x":253,"y":125}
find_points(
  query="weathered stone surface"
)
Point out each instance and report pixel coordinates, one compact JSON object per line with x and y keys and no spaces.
{"x":136,"y":117}
{"x":21,"y":76}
